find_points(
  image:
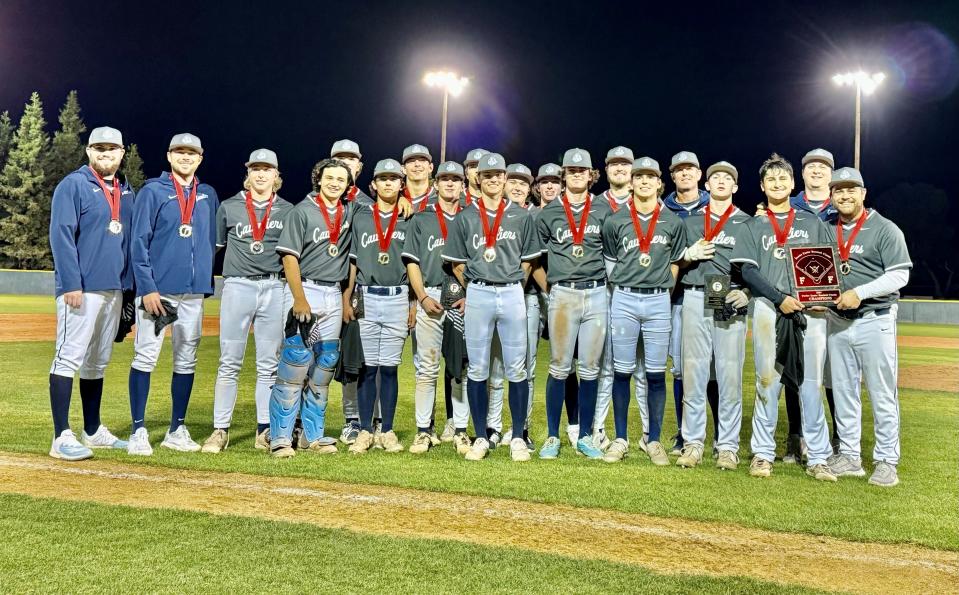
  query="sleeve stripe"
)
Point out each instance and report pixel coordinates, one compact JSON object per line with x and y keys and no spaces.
{"x":901,"y":265}
{"x":531,"y":256}
{"x":453,"y":259}
{"x":289,"y":251}
{"x":744,"y":260}
{"x":409,"y":256}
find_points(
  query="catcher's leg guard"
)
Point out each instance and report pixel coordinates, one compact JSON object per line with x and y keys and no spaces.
{"x":295,"y":361}
{"x":315,"y":397}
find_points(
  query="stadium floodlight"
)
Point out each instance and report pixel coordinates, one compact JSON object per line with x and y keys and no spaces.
{"x":451,"y":84}
{"x":864,"y":83}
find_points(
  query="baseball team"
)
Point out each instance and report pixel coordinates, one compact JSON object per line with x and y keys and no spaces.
{"x":477,"y":262}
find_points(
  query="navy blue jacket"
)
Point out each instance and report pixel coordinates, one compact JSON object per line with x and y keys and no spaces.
{"x":684,"y":209}
{"x":799,"y":202}
{"x":86,"y":256}
{"x":162,"y":260}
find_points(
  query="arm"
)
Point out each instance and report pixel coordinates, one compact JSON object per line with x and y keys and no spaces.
{"x":458,"y":269}
{"x":527,"y":267}
{"x":64,"y":220}
{"x":419,"y":289}
{"x":144,"y":211}
{"x":291,"y":268}
{"x":539,"y":277}
{"x":348,"y":294}
{"x":888,"y":282}
{"x":674,"y":271}
{"x":759,"y":286}
{"x":220,"y":227}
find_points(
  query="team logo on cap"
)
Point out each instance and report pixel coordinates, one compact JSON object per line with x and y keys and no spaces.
{"x":416,"y":149}
{"x":844,"y":175}
{"x":477,"y":155}
{"x":646,"y":163}
{"x":187,"y":139}
{"x":349,"y":145}
{"x":491,"y":161}
{"x":107,"y":134}
{"x":551,"y":170}
{"x":682,"y":156}
{"x":577,"y":158}
{"x":619,"y":152}
{"x":388,"y":165}
{"x":450,"y":167}
{"x":261,"y":155}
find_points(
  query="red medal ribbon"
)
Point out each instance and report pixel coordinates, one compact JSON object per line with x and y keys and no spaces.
{"x":351,"y":195}
{"x":846,"y":247}
{"x":113,"y":198}
{"x":258,"y":228}
{"x":578,"y":231}
{"x":469,"y":197}
{"x":825,"y":204}
{"x":186,"y":205}
{"x":384,"y":241}
{"x":781,"y":234}
{"x":612,"y":201}
{"x":490,"y":234}
{"x":334,"y":227}
{"x":441,"y":217}
{"x":423,"y":203}
{"x":712,"y":232}
{"x":644,"y":239}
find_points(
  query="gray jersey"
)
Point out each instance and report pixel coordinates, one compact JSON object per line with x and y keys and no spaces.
{"x":307,"y":237}
{"x":423,"y":201}
{"x":725,"y":240}
{"x":759,"y":245}
{"x":516,"y":242}
{"x":878,"y":247}
{"x":357,"y":196}
{"x":614,"y":203}
{"x":621,"y":246}
{"x":557,"y":240}
{"x":366,"y":249}
{"x":234,"y":230}
{"x":424,"y":243}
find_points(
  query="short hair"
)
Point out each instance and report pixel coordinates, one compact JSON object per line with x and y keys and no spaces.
{"x":776,"y":161}
{"x":321,"y":166}
{"x":277,"y":183}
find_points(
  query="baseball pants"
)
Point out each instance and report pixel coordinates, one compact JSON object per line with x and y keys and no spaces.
{"x":186,"y":331}
{"x":604,"y":397}
{"x":497,"y":380}
{"x":428,"y":341}
{"x":85,"y":335}
{"x":577,"y":314}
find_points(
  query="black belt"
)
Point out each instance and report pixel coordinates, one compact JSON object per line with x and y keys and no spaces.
{"x":433,"y":287}
{"x":322,"y":283}
{"x":494,"y":283}
{"x":857,"y":314}
{"x":703,"y":287}
{"x":258,"y":277}
{"x":582,"y":284}
{"x":384,"y":289}
{"x":644,"y":290}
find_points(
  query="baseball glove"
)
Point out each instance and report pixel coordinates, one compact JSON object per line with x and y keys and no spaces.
{"x":128,"y":316}
{"x":161,"y":322}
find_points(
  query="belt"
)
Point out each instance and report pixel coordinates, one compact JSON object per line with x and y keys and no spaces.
{"x":644,"y":290}
{"x":494,"y":283}
{"x":433,"y":287}
{"x":582,"y":284}
{"x":322,"y":283}
{"x":703,"y":287}
{"x":384,"y":290}
{"x":258,"y":277}
{"x":860,"y":313}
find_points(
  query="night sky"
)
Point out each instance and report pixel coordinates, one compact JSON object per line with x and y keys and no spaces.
{"x":728,"y":81}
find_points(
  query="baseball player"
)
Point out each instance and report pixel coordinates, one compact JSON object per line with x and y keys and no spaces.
{"x":764,"y":261}
{"x":570,"y":231}
{"x":418,"y":169}
{"x":874,"y":266}
{"x":423,"y":252}
{"x":248,"y":225}
{"x":378,"y":277}
{"x":171,"y":249}
{"x":713,"y":334}
{"x":314,"y":246}
{"x":549,"y":183}
{"x":643,"y":245}
{"x":89,"y":225}
{"x":348,"y":152}
{"x":491,"y":245}
{"x":472,"y":181}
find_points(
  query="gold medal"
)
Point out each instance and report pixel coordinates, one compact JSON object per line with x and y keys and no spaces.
{"x":256,"y":247}
{"x":333,"y":250}
{"x":115,"y":227}
{"x":186,"y":230}
{"x":780,"y":253}
{"x":645,"y":259}
{"x":489,"y":255}
{"x":578,"y":251}
{"x":383,"y":258}
{"x":845,"y":268}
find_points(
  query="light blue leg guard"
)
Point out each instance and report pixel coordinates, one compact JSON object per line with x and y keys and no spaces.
{"x":291,"y":373}
{"x":315,"y":396}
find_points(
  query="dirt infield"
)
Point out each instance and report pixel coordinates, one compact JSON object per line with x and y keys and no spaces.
{"x":923,"y":342}
{"x":712,"y":549}
{"x":43,"y":327}
{"x":930,"y":377}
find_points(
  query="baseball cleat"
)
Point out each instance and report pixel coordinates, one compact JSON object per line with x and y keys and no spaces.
{"x":678,"y":445}
{"x":350,"y":432}
{"x":461,"y":442}
{"x":66,"y":448}
{"x":478,"y":451}
{"x":572,"y":432}
{"x":391,"y":443}
{"x":821,"y":472}
{"x":793,"y":452}
{"x":282,"y":452}
{"x":180,"y":440}
{"x":363,"y":443}
{"x":102,"y":438}
{"x":600,"y":439}
{"x":617,"y":451}
{"x":377,"y":434}
{"x":884,"y":475}
{"x":587,"y":446}
{"x":434,"y":438}
{"x":657,"y":453}
{"x":691,"y":455}
{"x":550,"y":448}
{"x":421,"y":443}
{"x":760,"y":467}
{"x":217,"y":442}
{"x":846,"y":466}
{"x":139,"y":443}
{"x":507,"y":437}
{"x":644,"y":443}
{"x":494,"y":439}
{"x":727,"y":460}
{"x":518,"y":450}
{"x":449,"y":430}
{"x":530,"y":445}
{"x":323,"y":446}
{"x":262,"y":441}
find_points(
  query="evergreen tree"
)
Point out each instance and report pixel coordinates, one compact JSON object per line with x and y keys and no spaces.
{"x":6,"y":134}
{"x":132,"y":168}
{"x":67,"y":151}
{"x":25,"y":223}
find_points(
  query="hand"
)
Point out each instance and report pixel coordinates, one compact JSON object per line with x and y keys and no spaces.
{"x":74,"y":299}
{"x":737,"y":298}
{"x":301,"y":309}
{"x":431,"y":306}
{"x":405,"y":207}
{"x":411,"y":319}
{"x":848,"y":300}
{"x":347,"y":310}
{"x":701,"y":250}
{"x":153,"y":305}
{"x":790,"y":305}
{"x":460,"y":305}
{"x":761,"y":210}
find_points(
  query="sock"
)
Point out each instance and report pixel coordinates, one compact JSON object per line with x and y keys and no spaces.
{"x":448,"y":395}
{"x":139,"y":391}
{"x":260,"y":427}
{"x":832,"y":412}
{"x":61,"y":389}
{"x":793,"y":413}
{"x":678,"y":393}
{"x":389,"y":390}
{"x":478,"y":397}
{"x":656,"y":399}
{"x":366,"y":396}
{"x":572,"y":394}
{"x":555,"y":397}
{"x":712,"y":395}
{"x":621,"y":403}
{"x":459,"y":430}
{"x":518,"y":403}
{"x":180,"y":387}
{"x":587,"y":405}
{"x":91,"y":393}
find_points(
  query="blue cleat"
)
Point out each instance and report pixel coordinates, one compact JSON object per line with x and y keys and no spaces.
{"x":67,"y":448}
{"x":586,"y":447}
{"x":550,"y":448}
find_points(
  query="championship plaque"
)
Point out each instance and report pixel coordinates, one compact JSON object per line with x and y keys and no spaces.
{"x":451,"y":292}
{"x":717,"y":287}
{"x":815,"y":274}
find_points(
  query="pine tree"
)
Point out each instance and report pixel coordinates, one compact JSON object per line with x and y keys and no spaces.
{"x":23,"y":228}
{"x":6,"y":133}
{"x":132,"y":167}
{"x":67,"y":151}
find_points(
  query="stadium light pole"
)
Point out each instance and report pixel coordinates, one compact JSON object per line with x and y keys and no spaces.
{"x":864,"y":83}
{"x":451,"y":84}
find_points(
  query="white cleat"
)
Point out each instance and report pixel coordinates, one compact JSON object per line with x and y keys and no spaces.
{"x":66,"y":448}
{"x":180,"y":440}
{"x":139,"y":443}
{"x":102,"y":438}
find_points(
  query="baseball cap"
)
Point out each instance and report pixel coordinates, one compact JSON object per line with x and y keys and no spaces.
{"x":491,"y":162}
{"x":186,"y":141}
{"x":619,"y":154}
{"x":388,"y":166}
{"x":518,"y":170}
{"x":846,"y":176}
{"x":577,"y":158}
{"x":724,"y":166}
{"x":646,"y":165}
{"x":473,"y":156}
{"x":549,"y":170}
{"x":683,"y":158}
{"x":819,"y":155}
{"x":264,"y":156}
{"x":416,"y":151}
{"x":104,"y":135}
{"x":450,"y":168}
{"x":345,"y":147}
